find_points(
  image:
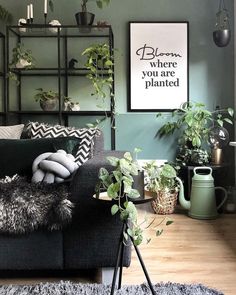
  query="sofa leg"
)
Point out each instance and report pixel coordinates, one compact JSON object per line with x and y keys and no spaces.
{"x":107,"y":275}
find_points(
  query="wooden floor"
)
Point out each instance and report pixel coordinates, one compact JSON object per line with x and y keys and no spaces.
{"x":188,"y":251}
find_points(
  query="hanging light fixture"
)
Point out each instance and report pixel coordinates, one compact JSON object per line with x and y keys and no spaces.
{"x":222,"y":33}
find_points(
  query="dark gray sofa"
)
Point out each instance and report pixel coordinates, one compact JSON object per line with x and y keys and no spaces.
{"x":89,"y":242}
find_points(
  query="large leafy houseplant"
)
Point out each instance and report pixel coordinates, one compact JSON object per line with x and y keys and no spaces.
{"x":194,"y":122}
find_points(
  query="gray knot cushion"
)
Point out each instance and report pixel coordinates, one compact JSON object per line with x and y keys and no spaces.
{"x":53,"y":167}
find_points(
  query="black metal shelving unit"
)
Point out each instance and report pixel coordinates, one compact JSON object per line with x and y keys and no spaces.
{"x":61,"y":71}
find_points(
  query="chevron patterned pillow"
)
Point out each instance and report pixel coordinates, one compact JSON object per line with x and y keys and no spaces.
{"x":41,"y":130}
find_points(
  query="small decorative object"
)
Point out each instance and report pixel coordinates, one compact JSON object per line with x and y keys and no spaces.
{"x":162,"y":182}
{"x":48,"y":99}
{"x":54,"y":22}
{"x":72,"y":63}
{"x":53,"y":167}
{"x":218,"y":139}
{"x":222,"y":33}
{"x":21,"y":22}
{"x":69,"y":105}
{"x":101,"y":24}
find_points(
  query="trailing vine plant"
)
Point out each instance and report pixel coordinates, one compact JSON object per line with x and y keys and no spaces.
{"x":119,"y":187}
{"x":99,"y":63}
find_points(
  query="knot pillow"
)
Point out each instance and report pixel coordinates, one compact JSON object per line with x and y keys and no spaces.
{"x":53,"y":167}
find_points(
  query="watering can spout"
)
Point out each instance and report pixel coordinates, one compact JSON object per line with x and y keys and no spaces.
{"x":183,"y":202}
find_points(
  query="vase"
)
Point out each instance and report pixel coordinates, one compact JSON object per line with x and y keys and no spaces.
{"x":216,"y":156}
{"x":22,"y":63}
{"x":49,"y":104}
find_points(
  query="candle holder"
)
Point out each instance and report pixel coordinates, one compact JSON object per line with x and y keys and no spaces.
{"x":45,"y":19}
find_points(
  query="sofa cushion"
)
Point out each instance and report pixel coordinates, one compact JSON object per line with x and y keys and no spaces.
{"x":11,"y":132}
{"x":17,"y":155}
{"x":41,"y":130}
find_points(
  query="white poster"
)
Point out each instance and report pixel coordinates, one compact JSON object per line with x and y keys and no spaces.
{"x":158,"y":66}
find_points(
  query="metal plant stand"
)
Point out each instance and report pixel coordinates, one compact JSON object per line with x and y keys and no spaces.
{"x":120,"y":253}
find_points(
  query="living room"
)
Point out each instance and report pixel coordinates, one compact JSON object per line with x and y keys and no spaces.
{"x":151,"y":49}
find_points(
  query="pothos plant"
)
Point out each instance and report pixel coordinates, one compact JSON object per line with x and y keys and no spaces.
{"x":160,"y":178}
{"x":119,"y":186}
{"x":100,"y":64}
{"x":21,"y":58}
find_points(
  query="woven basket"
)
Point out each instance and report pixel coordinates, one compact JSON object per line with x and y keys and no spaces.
{"x":164,"y":203}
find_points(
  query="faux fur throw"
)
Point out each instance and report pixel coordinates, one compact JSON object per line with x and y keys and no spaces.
{"x":25,"y":207}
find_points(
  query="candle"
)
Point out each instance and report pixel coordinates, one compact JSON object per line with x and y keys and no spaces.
{"x":28,"y":12}
{"x":45,"y":6}
{"x":31,"y":11}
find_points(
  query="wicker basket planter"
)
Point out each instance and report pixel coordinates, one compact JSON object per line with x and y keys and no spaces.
{"x":164,"y":203}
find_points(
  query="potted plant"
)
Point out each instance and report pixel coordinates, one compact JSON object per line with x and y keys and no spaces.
{"x":86,"y":18}
{"x":162,"y":183}
{"x":119,"y":187}
{"x":194,"y":123}
{"x":100,"y":65}
{"x":48,"y":99}
{"x":22,"y":58}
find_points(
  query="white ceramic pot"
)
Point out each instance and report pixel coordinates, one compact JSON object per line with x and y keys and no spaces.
{"x":54,"y":22}
{"x":22,"y":63}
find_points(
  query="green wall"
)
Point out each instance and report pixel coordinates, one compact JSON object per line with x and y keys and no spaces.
{"x":211,"y":69}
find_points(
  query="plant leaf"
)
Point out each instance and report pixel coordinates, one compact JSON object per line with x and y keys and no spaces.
{"x":114,"y":209}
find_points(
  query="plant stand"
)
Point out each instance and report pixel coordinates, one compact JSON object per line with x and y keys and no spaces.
{"x":120,"y":253}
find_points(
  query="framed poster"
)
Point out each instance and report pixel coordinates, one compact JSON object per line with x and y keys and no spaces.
{"x":158,"y":65}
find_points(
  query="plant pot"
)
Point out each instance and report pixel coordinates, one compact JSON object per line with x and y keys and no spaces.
{"x":22,"y":63}
{"x":165,"y":202}
{"x":222,"y":37}
{"x":84,"y":18}
{"x":49,"y":105}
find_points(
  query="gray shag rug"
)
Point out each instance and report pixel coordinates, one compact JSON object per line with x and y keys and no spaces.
{"x":68,"y":288}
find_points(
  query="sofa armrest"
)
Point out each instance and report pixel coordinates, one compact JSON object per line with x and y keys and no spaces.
{"x":86,"y":178}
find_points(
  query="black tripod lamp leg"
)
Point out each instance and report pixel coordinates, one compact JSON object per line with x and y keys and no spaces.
{"x":144,"y":268}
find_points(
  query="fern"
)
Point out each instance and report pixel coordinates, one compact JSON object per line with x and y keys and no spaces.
{"x":5,"y":15}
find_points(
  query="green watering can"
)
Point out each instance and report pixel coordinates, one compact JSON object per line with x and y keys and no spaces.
{"x":202,"y":204}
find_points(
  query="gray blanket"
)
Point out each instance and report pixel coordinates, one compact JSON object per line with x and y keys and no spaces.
{"x":25,"y":207}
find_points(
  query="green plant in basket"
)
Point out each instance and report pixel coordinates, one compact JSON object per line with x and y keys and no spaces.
{"x":163,"y":183}
{"x":160,"y":178}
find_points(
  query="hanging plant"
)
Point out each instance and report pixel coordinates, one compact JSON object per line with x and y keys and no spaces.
{"x":222,"y":33}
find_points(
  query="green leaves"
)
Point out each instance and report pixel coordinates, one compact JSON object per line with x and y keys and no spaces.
{"x":195,"y":122}
{"x":5,"y":15}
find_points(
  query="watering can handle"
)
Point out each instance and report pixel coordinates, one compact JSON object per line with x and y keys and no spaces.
{"x":202,"y":168}
{"x":225,"y":196}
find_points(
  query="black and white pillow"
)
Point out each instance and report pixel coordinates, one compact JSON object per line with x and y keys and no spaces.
{"x":41,"y":130}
